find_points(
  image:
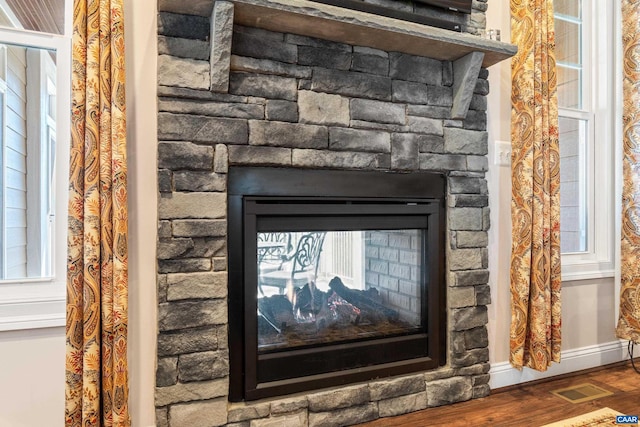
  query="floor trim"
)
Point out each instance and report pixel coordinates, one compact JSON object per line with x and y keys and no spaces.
{"x":504,"y":375}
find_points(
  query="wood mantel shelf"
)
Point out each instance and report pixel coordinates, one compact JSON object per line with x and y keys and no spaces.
{"x":338,"y":24}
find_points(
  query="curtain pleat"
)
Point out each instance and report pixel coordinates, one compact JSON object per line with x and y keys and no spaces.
{"x":629,"y":320}
{"x":97,"y":283}
{"x":535,"y":278}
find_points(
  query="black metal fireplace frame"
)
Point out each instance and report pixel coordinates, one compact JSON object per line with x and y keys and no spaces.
{"x":357,"y":199}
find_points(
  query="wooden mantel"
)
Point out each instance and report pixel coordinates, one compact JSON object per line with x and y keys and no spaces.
{"x":328,"y":22}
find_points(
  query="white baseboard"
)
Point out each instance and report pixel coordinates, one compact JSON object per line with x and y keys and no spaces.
{"x":503,"y":374}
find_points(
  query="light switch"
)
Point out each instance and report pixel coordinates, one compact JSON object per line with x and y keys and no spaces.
{"x":502,"y":153}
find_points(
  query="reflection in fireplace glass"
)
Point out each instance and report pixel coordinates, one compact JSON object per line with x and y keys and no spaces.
{"x":328,"y":287}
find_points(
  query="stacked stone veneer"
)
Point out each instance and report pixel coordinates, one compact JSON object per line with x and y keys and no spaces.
{"x":392,"y":266}
{"x":304,"y":103}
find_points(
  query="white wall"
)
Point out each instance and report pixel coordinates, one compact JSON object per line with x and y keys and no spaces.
{"x":32,"y":368}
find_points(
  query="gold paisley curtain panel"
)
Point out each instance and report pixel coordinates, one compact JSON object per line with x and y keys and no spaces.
{"x":96,"y":391}
{"x":629,"y":320}
{"x":535,"y":206}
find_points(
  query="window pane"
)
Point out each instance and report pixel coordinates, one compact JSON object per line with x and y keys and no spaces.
{"x":569,"y":87}
{"x":46,"y":16}
{"x":568,"y":42}
{"x":27,"y":141}
{"x":573,"y":209}
{"x":568,"y":7}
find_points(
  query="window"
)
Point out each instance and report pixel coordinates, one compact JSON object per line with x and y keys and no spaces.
{"x":584,"y":56}
{"x":35,"y":70}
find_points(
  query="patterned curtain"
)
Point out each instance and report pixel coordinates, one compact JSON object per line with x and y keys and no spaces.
{"x":96,"y":360}
{"x":629,"y":321}
{"x":535,"y":176}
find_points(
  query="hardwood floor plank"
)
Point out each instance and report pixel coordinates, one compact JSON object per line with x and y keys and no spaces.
{"x":531,"y":404}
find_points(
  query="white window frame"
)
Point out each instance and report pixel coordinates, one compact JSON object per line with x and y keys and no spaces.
{"x":40,"y":302}
{"x":598,"y":32}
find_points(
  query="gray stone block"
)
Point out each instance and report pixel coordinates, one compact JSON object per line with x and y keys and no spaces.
{"x":339,"y":398}
{"x":315,"y":42}
{"x":378,"y":111}
{"x":346,"y":160}
{"x":221,"y":34}
{"x":481,"y":391}
{"x":462,"y":141}
{"x":478,"y":103}
{"x":467,"y":185}
{"x":465,"y":259}
{"x":164,"y":230}
{"x":486,"y":218}
{"x":404,"y":152}
{"x":476,"y":338}
{"x":288,"y":405}
{"x":442,"y":162}
{"x":193,"y":391}
{"x":322,"y":57}
{"x":205,"y":285}
{"x":410,"y":92}
{"x":193,"y":205}
{"x":183,"y":72}
{"x":323,"y":108}
{"x":345,"y":139}
{"x":372,"y":64}
{"x":185,"y":26}
{"x":248,"y":411}
{"x":465,"y":219}
{"x":462,"y":296}
{"x":210,"y":130}
{"x":292,"y":135}
{"x":429,"y":111}
{"x":472,"y":239}
{"x":219,"y":264}
{"x":447,"y":73}
{"x":173,"y":248}
{"x":211,"y":108}
{"x":360,"y":124}
{"x":191,"y":314}
{"x":483,"y":295}
{"x":440,"y":96}
{"x":479,"y":369}
{"x":292,"y":420}
{"x":221,"y":159}
{"x":184,"y":155}
{"x":183,"y":48}
{"x":402,"y":405}
{"x":468,"y":200}
{"x":205,"y":413}
{"x":425,"y":125}
{"x":250,"y":155}
{"x":166,"y":371}
{"x":281,"y":111}
{"x":386,"y":389}
{"x":351,"y":84}
{"x":162,"y":288}
{"x":484,"y":72}
{"x":208,"y":247}
{"x":199,"y":181}
{"x":187,"y":341}
{"x":344,"y":417}
{"x":430,"y":144}
{"x":203,"y":366}
{"x":184,"y":265}
{"x":415,"y":68}
{"x":470,"y":357}
{"x":165,"y":184}
{"x":475,"y":120}
{"x":450,"y":390}
{"x":482,"y":87}
{"x":268,"y":66}
{"x":466,"y":318}
{"x":477,"y":163}
{"x":481,"y":379}
{"x":203,"y":95}
{"x":468,"y":278}
{"x":264,"y":45}
{"x":438,"y":374}
{"x":264,"y":86}
{"x":162,"y":417}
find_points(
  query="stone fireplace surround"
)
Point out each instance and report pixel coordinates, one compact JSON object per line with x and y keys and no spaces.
{"x":287,"y":99}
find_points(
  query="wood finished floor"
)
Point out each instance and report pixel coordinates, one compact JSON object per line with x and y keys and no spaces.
{"x":533,"y":404}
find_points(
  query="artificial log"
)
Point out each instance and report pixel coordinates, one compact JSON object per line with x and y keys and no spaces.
{"x":363,"y":302}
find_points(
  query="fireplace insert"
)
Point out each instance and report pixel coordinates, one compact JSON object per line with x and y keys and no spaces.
{"x":334,"y":277}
